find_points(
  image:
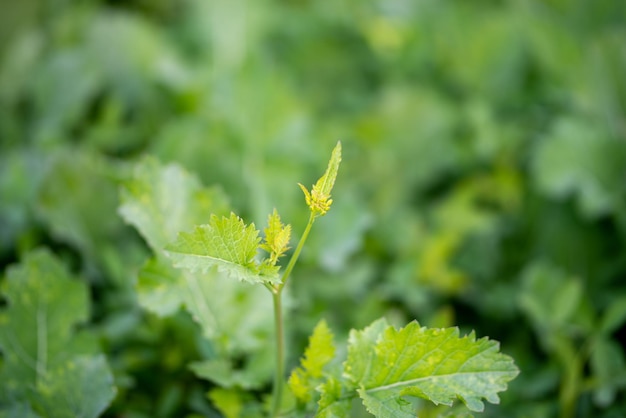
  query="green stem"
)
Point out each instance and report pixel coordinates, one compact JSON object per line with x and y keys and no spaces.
{"x":296,"y":253}
{"x":278,"y":322}
{"x":280,"y":354}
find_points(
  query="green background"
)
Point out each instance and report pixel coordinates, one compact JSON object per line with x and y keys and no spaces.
{"x":483,"y":181}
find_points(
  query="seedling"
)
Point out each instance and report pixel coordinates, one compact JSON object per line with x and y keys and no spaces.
{"x":383,"y":365}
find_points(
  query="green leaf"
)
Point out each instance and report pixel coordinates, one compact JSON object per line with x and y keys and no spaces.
{"x":72,"y":210}
{"x":160,"y":287}
{"x":614,"y":316}
{"x":318,"y":354}
{"x":553,"y":301}
{"x":325,"y":184}
{"x":229,"y":402}
{"x":228,"y":244}
{"x":95,"y":380}
{"x":277,"y":236}
{"x":236,"y":317}
{"x":582,"y":159}
{"x":161,"y":201}
{"x":435,"y":364}
{"x":18,"y":410}
{"x":44,"y":359}
{"x":331,"y":404}
{"x":320,"y":351}
{"x":223,"y":371}
{"x":608,"y":366}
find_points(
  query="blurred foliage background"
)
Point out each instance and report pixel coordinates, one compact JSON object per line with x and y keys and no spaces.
{"x":483,"y":182}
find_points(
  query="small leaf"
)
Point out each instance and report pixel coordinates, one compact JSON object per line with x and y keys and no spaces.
{"x":277,"y":238}
{"x":435,"y":364}
{"x":228,"y":244}
{"x":318,"y":200}
{"x":320,"y":351}
{"x":318,"y":354}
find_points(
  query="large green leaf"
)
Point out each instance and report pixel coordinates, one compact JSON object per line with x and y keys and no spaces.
{"x":228,"y":244}
{"x":435,"y":364}
{"x":82,"y":387}
{"x":161,"y":201}
{"x":45,"y":360}
{"x":160,"y":287}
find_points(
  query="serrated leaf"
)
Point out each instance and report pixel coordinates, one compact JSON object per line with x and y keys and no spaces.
{"x":40,"y":347}
{"x":331,"y":404}
{"x":227,"y":244}
{"x":320,"y":351}
{"x":277,"y":236}
{"x":161,"y":201}
{"x":435,"y":364}
{"x":325,"y":184}
{"x":318,"y":354}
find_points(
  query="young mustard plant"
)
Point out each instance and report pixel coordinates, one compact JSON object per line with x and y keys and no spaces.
{"x":230,"y":245}
{"x":387,"y":368}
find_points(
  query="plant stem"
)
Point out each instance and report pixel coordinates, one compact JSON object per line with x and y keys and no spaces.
{"x":280,"y":354}
{"x":277,"y":292}
{"x":296,"y":253}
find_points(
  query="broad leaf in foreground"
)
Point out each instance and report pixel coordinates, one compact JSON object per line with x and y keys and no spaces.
{"x":226,"y":243}
{"x":58,"y":372}
{"x":386,"y":364}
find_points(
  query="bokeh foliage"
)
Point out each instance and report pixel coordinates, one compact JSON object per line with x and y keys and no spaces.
{"x":483,"y":181}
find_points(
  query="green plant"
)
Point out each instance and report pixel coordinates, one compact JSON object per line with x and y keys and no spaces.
{"x":383,"y":364}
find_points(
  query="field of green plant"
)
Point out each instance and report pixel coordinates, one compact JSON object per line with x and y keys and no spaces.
{"x":482,"y":186}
